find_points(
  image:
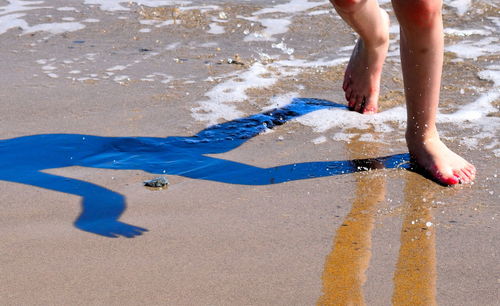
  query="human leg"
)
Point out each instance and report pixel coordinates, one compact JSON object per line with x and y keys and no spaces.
{"x":362,"y":77}
{"x":422,"y":60}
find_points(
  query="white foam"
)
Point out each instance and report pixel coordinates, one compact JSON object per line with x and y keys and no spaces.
{"x":172,"y":46}
{"x":15,"y":6}
{"x":495,"y":20}
{"x":283,"y":47}
{"x":90,"y":56}
{"x":474,"y":115}
{"x":300,"y":63}
{"x":83,"y":79}
{"x":468,"y":32}
{"x":492,"y":74}
{"x":201,"y":8}
{"x":367,"y":137}
{"x":318,"y":140}
{"x":8,"y":22}
{"x":12,"y":12}
{"x":118,"y":5}
{"x":264,"y":57}
{"x":473,"y":49}
{"x":165,"y":23}
{"x":67,"y":9}
{"x":340,"y":136}
{"x":319,"y":12}
{"x":121,"y":78}
{"x":462,"y":6}
{"x":215,"y":29}
{"x":222,"y":98}
{"x":294,"y":6}
{"x":279,"y":101}
{"x":164,"y":78}
{"x":48,"y":67}
{"x":327,"y":119}
{"x":55,"y":27}
{"x":272,"y":27}
{"x":394,"y":29}
{"x":117,"y":68}
{"x":209,"y":45}
{"x":90,"y":20}
{"x":149,"y":22}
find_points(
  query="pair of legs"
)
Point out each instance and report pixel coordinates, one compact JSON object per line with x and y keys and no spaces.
{"x":422,"y":43}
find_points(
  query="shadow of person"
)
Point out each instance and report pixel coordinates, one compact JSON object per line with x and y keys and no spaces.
{"x":24,"y":159}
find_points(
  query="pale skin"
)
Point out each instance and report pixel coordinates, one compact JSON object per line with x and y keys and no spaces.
{"x":422,"y":44}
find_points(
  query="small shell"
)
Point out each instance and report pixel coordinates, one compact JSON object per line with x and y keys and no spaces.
{"x":159,"y":182}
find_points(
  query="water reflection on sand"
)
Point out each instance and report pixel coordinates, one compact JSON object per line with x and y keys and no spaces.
{"x":345,"y":267}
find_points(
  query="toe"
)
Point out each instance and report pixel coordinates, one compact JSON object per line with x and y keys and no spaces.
{"x":370,"y":107}
{"x":370,"y":110}
{"x":464,"y":176}
{"x":345,"y":84}
{"x":451,"y":180}
{"x":348,"y":94}
{"x":461,"y":175}
{"x":472,"y":170}
{"x":446,"y":178}
{"x":352,"y":102}
{"x":358,"y":103}
{"x":469,"y":173}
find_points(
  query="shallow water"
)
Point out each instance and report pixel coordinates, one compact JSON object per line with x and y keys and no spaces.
{"x":287,"y":48}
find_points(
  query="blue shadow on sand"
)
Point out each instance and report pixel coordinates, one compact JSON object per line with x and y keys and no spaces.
{"x":23,"y":159}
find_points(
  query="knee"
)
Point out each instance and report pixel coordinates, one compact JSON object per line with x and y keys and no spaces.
{"x":347,"y":6}
{"x":417,"y":14}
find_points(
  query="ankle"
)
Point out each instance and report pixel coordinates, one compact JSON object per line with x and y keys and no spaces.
{"x":375,"y":49}
{"x":419,"y":137}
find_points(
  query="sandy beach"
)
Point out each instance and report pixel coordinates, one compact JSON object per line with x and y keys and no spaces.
{"x":277,"y":195}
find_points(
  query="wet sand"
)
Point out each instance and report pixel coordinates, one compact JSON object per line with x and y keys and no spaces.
{"x":379,"y":237}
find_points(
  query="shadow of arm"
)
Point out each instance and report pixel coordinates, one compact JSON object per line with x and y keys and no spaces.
{"x":226,"y":136}
{"x":101,"y":207}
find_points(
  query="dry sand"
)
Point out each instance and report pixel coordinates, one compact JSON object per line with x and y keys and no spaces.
{"x":377,"y":237}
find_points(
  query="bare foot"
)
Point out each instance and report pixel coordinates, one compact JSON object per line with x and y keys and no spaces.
{"x":443,"y":164}
{"x":362,"y":76}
